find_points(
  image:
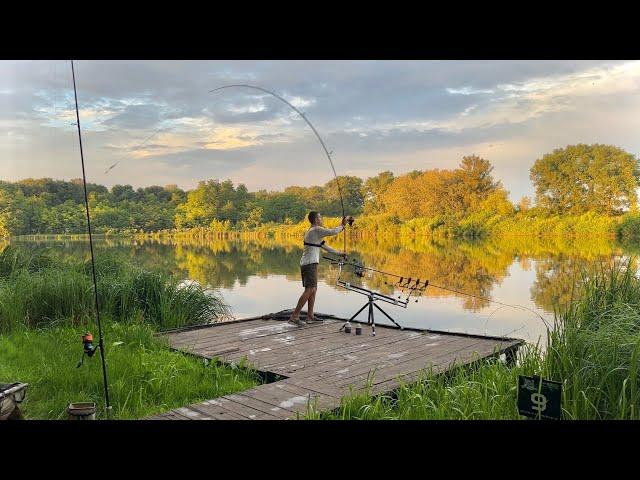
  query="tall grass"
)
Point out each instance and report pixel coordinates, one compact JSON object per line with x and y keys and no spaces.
{"x":593,"y":349}
{"x":486,"y":390}
{"x":145,"y":377}
{"x":38,"y":290}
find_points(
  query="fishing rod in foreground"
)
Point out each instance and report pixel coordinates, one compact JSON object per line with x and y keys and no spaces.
{"x":87,"y":339}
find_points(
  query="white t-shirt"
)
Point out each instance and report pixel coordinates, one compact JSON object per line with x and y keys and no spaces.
{"x":311,"y":254}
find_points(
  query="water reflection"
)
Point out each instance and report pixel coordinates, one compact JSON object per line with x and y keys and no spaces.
{"x":259,"y":275}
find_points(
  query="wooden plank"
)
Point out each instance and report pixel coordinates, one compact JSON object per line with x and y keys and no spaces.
{"x":323,"y":365}
{"x":425,"y":351}
{"x":415,"y":365}
{"x":210,"y":410}
{"x":278,"y":361}
{"x":287,"y":336}
{"x":248,"y":332}
{"x":195,"y":334}
{"x":279,"y":399}
{"x":329,"y":390}
{"x":410,"y":363}
{"x":238,"y":331}
{"x":228,"y":403}
{"x":265,"y":410}
{"x":370,"y":359}
{"x":282,"y":345}
{"x":345,"y":349}
{"x":208,"y":341}
{"x":341,"y":340}
{"x":259,"y":404}
{"x":220,"y":336}
{"x":445,"y":364}
{"x":319,"y":401}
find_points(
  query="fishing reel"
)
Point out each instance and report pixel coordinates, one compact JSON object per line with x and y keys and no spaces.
{"x":414,"y":287}
{"x":350,"y":220}
{"x":88,"y":348}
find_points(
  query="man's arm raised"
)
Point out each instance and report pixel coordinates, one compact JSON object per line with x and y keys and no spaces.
{"x":326,"y":232}
{"x":331,"y":250}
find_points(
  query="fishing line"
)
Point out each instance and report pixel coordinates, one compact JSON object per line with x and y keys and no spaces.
{"x":153,"y":134}
{"x":304,"y":117}
{"x":517,"y":307}
{"x":520,"y":307}
{"x":93,"y":263}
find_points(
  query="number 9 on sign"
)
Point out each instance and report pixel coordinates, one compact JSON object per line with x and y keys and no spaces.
{"x":539,"y":398}
{"x":539,"y":402}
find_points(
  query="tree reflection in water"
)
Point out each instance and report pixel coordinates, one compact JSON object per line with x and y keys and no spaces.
{"x":475,"y":267}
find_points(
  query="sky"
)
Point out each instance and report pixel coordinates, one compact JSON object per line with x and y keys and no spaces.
{"x":159,"y":123}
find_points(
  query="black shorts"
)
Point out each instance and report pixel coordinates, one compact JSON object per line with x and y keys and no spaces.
{"x":309,"y":275}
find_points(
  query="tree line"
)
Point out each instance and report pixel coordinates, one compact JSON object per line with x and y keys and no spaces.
{"x":570,"y":181}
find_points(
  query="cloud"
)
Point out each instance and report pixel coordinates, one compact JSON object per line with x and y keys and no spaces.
{"x":158,"y":119}
{"x":140,"y":117}
{"x":467,"y":91}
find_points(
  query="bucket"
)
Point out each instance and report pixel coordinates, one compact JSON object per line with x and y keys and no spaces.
{"x":358,"y":329}
{"x":82,"y":411}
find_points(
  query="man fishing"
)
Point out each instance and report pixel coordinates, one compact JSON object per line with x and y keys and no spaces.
{"x":309,"y":263}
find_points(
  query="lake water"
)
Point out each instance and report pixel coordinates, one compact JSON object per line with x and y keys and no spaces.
{"x":261,"y":276}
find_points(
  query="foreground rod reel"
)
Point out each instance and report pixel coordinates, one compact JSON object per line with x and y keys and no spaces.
{"x":88,"y":348}
{"x":93,"y":262}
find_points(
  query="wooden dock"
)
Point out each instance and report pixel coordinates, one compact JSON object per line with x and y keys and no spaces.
{"x":317,"y":365}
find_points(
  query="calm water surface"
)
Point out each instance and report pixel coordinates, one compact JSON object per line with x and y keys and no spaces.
{"x":262,"y":276}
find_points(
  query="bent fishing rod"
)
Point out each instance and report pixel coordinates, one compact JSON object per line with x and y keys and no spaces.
{"x":304,"y":117}
{"x":89,"y":349}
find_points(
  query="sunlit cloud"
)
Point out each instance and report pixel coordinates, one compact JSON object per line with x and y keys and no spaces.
{"x":467,"y":91}
{"x":158,"y":122}
{"x":300,"y":102}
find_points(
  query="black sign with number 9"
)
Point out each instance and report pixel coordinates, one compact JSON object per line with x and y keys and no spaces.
{"x":539,"y":398}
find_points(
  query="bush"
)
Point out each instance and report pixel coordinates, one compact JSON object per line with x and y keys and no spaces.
{"x":629,"y":229}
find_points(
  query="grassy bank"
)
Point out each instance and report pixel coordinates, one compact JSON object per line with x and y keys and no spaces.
{"x":481,"y":224}
{"x":145,"y":377}
{"x":46,"y":304}
{"x":477,"y":225}
{"x":593,"y":350}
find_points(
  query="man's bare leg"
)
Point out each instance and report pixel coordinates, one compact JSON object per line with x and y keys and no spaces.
{"x":303,"y":299}
{"x":312,"y":300}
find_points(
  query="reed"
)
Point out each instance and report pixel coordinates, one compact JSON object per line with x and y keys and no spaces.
{"x":593,"y":349}
{"x":42,"y":289}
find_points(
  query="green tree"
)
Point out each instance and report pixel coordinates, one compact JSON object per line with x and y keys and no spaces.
{"x":201,"y":206}
{"x":254,"y":219}
{"x":582,"y":178}
{"x":352,"y":196}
